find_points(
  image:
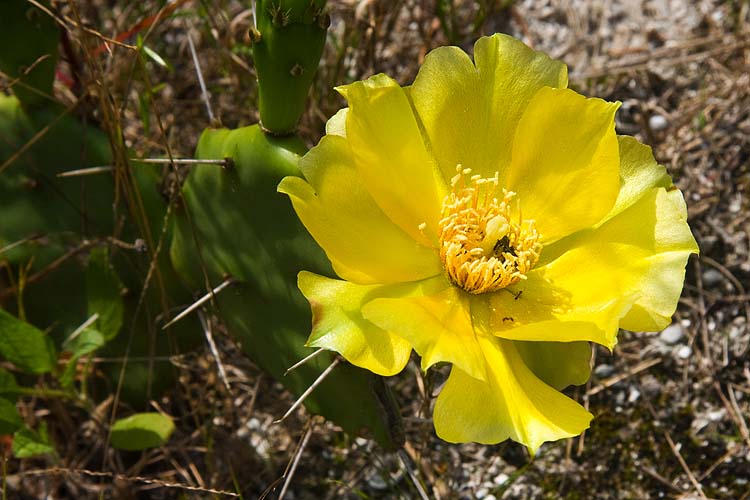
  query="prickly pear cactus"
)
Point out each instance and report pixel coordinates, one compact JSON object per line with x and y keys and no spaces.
{"x":244,"y":229}
{"x":287,"y":44}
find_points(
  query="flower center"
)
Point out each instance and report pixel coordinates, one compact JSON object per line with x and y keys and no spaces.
{"x":482,"y":248}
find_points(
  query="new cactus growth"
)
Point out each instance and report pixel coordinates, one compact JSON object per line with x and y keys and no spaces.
{"x":287,"y":44}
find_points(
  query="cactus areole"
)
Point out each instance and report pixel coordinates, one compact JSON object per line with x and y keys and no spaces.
{"x":287,"y":44}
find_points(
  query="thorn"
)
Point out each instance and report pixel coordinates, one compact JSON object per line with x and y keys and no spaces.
{"x":206,"y":324}
{"x":87,"y":171}
{"x":201,"y":82}
{"x":192,"y":307}
{"x":81,"y":328}
{"x":226,"y":162}
{"x":307,"y":392}
{"x":292,"y":467}
{"x":303,"y":361}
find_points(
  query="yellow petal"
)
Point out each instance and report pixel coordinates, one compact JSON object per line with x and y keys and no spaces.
{"x":391,"y":156}
{"x":565,"y":162}
{"x":338,"y":325}
{"x":662,"y":285}
{"x":638,"y":173}
{"x":628,"y":272}
{"x":336,"y":125}
{"x":469,"y":112}
{"x":438,"y":325}
{"x":513,"y":403}
{"x":363,"y":244}
{"x":557,"y":364}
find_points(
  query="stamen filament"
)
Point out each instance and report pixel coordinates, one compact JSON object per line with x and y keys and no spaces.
{"x":482,"y":248}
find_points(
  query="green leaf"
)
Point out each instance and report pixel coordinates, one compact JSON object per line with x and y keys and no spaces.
{"x":103,"y":290}
{"x":141,"y":431}
{"x":28,"y":443}
{"x":87,"y":342}
{"x":156,"y":57}
{"x":25,"y":346}
{"x":10,"y":419}
{"x":8,"y":383}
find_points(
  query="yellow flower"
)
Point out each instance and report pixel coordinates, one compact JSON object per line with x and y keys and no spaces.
{"x":488,"y":217}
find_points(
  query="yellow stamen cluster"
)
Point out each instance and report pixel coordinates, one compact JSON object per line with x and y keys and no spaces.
{"x":482,"y":248}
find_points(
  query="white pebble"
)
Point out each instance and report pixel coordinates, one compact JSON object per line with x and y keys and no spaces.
{"x":684,"y":352}
{"x":657,"y":123}
{"x":500,"y":479}
{"x":672,"y":334}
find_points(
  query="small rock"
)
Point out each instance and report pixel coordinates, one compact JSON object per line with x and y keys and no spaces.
{"x":633,"y":395}
{"x":376,"y":481}
{"x":501,"y":479}
{"x":717,"y":415}
{"x":711,"y":278}
{"x":361,"y":442}
{"x":735,"y":204}
{"x":604,"y":371}
{"x":657,"y":123}
{"x":672,"y":334}
{"x":684,"y":352}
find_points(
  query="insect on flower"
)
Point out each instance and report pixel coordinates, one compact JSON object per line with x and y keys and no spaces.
{"x":488,"y":217}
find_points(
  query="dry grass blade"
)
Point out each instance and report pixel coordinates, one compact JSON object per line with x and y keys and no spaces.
{"x":406,"y":462}
{"x":292,"y":467}
{"x":125,"y":478}
{"x":685,"y":467}
{"x":643,"y":365}
{"x":208,"y":331}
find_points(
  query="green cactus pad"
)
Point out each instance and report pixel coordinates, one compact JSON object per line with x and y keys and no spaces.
{"x":245,"y":229}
